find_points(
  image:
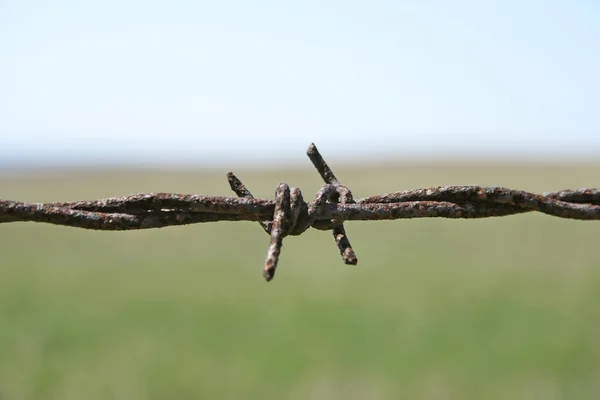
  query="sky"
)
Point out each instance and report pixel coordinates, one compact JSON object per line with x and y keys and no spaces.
{"x":134,"y":82}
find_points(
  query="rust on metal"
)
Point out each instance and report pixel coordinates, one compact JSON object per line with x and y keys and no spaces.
{"x":290,"y":215}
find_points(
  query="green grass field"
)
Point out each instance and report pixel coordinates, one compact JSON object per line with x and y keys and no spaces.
{"x":502,"y":308}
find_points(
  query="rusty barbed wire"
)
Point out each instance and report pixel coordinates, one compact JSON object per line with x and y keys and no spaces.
{"x":290,"y":215}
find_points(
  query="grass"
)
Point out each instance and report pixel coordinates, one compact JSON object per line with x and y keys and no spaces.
{"x":436,"y":309}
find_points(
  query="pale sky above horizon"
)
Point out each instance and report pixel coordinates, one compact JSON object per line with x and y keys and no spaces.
{"x":136,"y":81}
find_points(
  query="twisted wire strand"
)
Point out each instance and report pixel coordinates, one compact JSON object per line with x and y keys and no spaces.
{"x":574,"y":204}
{"x":289,"y":214}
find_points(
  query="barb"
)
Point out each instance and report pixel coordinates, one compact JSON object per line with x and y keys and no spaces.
{"x":339,"y":233}
{"x":289,"y":214}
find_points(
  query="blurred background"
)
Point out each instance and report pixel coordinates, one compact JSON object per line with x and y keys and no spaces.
{"x":113,"y":98}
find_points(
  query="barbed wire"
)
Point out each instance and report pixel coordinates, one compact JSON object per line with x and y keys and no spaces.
{"x":289,"y":215}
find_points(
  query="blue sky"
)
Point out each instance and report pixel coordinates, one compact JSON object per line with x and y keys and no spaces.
{"x":134,"y":81}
